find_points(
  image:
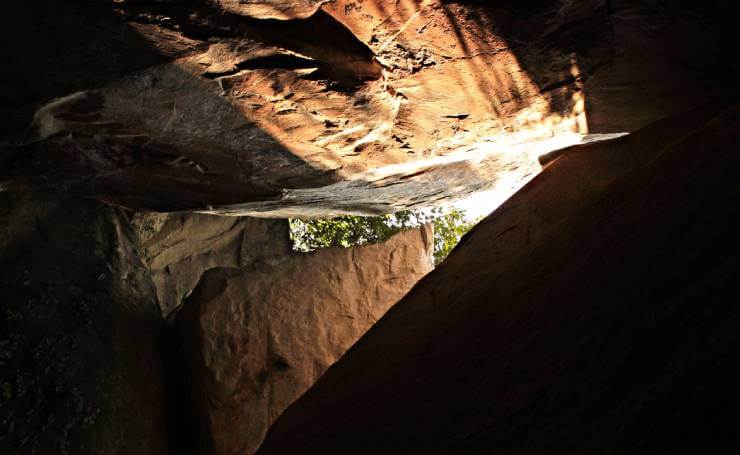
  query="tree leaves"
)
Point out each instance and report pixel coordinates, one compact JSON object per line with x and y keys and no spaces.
{"x":346,"y":231}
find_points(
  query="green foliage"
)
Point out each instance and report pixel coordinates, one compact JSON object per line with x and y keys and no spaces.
{"x":346,"y":231}
{"x":449,"y":228}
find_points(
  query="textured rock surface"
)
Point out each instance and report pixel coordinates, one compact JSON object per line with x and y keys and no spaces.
{"x":80,"y":332}
{"x":407,"y":102}
{"x":255,"y":338}
{"x":179,"y":248}
{"x":271,"y":9}
{"x":595,"y":312}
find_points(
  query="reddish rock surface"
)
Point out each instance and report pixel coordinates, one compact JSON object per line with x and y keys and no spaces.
{"x":313,"y":108}
{"x":254,"y":339}
{"x":595,"y":311}
{"x":179,"y":248}
{"x":270,"y":9}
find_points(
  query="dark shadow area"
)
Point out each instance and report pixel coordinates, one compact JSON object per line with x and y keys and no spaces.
{"x":54,"y":48}
{"x":186,"y":426}
{"x":80,"y":331}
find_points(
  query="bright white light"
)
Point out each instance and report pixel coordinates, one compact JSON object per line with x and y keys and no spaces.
{"x":482,"y":203}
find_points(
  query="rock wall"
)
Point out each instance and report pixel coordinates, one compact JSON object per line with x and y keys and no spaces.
{"x":179,"y":248}
{"x":80,"y":332}
{"x":595,"y":311}
{"x":253,"y":339}
{"x":315,"y":108}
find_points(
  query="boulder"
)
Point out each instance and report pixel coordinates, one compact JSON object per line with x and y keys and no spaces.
{"x":596,"y":311}
{"x":80,"y":332}
{"x":253,"y":339}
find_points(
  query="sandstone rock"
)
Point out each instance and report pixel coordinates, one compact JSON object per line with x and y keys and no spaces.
{"x":254,"y":339}
{"x":271,"y":9}
{"x":80,"y":332}
{"x":275,"y":109}
{"x":179,"y":248}
{"x":595,"y":311}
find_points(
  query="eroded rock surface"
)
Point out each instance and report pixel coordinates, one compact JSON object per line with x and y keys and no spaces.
{"x":271,"y":9}
{"x":255,"y":102}
{"x":254,"y":339}
{"x":179,"y":248}
{"x":80,"y":332}
{"x":595,"y":311}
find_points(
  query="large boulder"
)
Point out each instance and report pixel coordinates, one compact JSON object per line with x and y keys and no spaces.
{"x":316,"y":108}
{"x":80,"y":332}
{"x":253,"y":339}
{"x":596,"y":311}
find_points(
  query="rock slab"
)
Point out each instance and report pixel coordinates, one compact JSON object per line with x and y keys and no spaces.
{"x":315,"y":109}
{"x":254,"y":339}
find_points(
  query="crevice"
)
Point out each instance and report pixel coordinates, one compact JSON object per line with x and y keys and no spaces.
{"x":559,"y":84}
{"x":281,"y":61}
{"x":610,"y":10}
{"x":340,"y":55}
{"x":579,"y":79}
{"x":269,"y":62}
{"x":181,"y":423}
{"x":344,"y":61}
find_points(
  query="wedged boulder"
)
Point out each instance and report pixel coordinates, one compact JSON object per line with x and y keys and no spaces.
{"x":279,"y":109}
{"x":596,"y":311}
{"x":80,"y":332}
{"x":253,"y":339}
{"x":179,"y":248}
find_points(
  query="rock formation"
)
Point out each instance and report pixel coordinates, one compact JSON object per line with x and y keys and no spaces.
{"x":179,"y":248}
{"x":253,"y":339}
{"x":86,"y":368}
{"x":80,"y":333}
{"x":317,"y":108}
{"x":595,"y":311}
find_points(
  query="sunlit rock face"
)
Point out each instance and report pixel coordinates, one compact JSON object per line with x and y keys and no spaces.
{"x":270,"y":9}
{"x":179,"y":248}
{"x":80,"y":332}
{"x":262,"y":107}
{"x":253,"y":339}
{"x":596,"y":311}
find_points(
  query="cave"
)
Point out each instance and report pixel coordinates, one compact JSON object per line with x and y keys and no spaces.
{"x":369,"y":227}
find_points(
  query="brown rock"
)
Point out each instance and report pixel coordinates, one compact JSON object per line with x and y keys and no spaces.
{"x":312,"y":108}
{"x":179,"y":248}
{"x":256,"y":338}
{"x":271,"y":9}
{"x":595,"y":311}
